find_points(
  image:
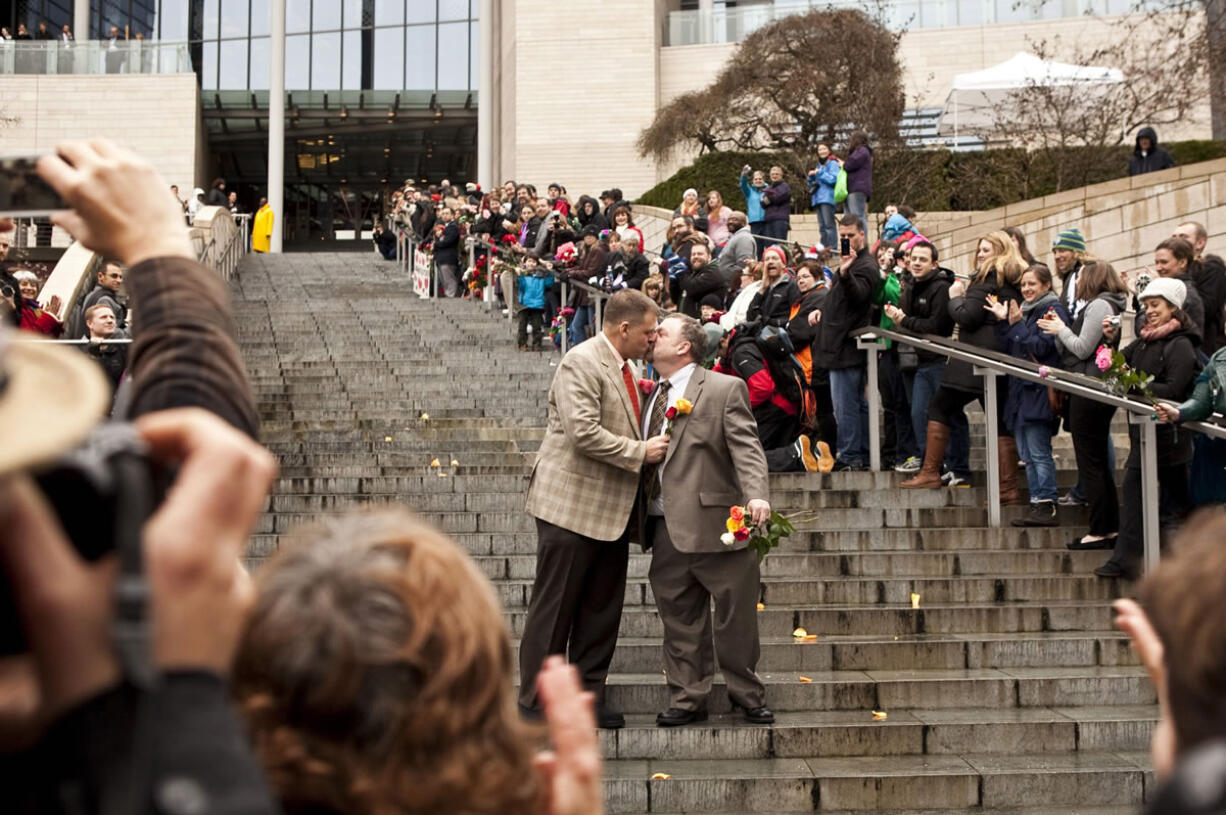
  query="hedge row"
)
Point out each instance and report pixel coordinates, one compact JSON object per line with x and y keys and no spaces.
{"x":933,"y":180}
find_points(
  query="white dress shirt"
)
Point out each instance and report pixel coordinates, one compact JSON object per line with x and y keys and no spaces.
{"x":677,"y":383}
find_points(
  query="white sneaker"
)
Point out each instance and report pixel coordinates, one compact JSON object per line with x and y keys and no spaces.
{"x":911,"y":465}
{"x":952,"y":479}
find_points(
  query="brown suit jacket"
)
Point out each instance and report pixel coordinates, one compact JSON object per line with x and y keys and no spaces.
{"x":586,"y":475}
{"x":714,"y":461}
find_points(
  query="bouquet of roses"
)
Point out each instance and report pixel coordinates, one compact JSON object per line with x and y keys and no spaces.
{"x":1119,"y":377}
{"x":765,"y":536}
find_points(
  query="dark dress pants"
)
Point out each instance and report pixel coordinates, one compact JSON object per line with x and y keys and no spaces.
{"x":684,"y":585}
{"x":576,"y":607}
{"x":1090,"y":424}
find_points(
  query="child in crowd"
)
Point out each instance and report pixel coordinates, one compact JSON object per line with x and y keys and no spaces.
{"x":712,"y":308}
{"x":531,"y":283}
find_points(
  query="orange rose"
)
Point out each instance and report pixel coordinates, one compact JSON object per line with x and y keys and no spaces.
{"x":737,"y":514}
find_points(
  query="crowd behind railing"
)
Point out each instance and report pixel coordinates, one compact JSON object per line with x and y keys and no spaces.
{"x":48,"y":50}
{"x":786,"y":319}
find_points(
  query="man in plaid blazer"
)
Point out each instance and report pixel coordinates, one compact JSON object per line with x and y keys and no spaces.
{"x":583,"y":489}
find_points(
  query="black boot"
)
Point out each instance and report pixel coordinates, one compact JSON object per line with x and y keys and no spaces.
{"x":1042,"y":513}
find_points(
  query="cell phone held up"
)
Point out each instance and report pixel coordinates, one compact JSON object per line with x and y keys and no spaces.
{"x":23,"y":192}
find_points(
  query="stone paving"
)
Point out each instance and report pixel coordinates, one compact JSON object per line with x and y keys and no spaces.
{"x":1006,"y":690}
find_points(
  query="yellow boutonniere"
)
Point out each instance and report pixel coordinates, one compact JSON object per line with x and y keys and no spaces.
{"x":684,"y":406}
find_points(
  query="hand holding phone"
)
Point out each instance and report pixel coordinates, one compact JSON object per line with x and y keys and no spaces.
{"x":23,"y":192}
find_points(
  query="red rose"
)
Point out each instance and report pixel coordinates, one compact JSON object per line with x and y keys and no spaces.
{"x":671,"y":413}
{"x":741,"y":534}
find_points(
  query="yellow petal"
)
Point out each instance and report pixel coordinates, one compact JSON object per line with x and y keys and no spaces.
{"x":434,"y":462}
{"x":425,"y":417}
{"x":915,"y":600}
{"x":799,"y":633}
{"x":880,"y":715}
{"x":804,"y":679}
{"x":761,"y":606}
{"x":810,"y":636}
{"x":387,"y":438}
{"x":660,"y":776}
{"x":455,"y":463}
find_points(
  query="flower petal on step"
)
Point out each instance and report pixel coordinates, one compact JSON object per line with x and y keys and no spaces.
{"x":880,"y":715}
{"x":761,"y":606}
{"x":660,"y":776}
{"x":804,"y":679}
{"x":434,"y":462}
{"x":799,"y":633}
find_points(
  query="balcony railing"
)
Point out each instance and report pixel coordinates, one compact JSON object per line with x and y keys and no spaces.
{"x":735,"y":24}
{"x":93,"y":57}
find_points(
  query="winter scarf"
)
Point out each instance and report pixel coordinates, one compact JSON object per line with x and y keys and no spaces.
{"x":1149,"y":333}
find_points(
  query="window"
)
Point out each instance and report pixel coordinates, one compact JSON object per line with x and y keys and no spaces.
{"x":297,"y":62}
{"x":297,"y":16}
{"x":421,"y":11}
{"x":327,"y":16}
{"x":208,"y":74}
{"x":234,"y":18}
{"x":172,"y":22}
{"x":211,"y":8}
{"x":453,"y":56}
{"x":233,"y":65}
{"x":326,"y":62}
{"x":389,"y":58}
{"x":260,"y":18}
{"x":351,"y":71}
{"x":453,"y":9}
{"x":259,"y":63}
{"x":419,"y":57}
{"x":391,"y":12}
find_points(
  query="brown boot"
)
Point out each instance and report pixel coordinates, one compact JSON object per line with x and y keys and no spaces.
{"x":929,"y":476}
{"x":1007,"y":449}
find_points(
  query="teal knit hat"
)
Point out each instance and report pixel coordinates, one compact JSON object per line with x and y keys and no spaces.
{"x":1070,"y":239}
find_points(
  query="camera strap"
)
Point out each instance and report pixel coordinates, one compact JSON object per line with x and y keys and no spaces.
{"x":132,"y":631}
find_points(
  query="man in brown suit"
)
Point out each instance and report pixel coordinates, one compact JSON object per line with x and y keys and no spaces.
{"x":582,"y":492}
{"x":714,"y":462}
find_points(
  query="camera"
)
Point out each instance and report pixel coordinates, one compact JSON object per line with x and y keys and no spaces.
{"x":1143,"y":280}
{"x":102,"y":493}
{"x":1115,"y":321}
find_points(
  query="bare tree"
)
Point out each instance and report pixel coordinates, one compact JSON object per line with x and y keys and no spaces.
{"x":803,"y":80}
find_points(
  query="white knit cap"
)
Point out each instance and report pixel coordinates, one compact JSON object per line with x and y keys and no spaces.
{"x":1168,"y":288}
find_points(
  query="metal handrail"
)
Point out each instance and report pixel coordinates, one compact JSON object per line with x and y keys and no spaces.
{"x":991,"y":364}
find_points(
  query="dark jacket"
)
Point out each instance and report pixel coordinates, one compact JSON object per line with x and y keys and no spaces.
{"x":779,"y":197}
{"x":1027,"y":401}
{"x":859,"y":167}
{"x":1193,"y":306}
{"x":113,"y":357}
{"x":803,"y":335}
{"x":591,"y":264}
{"x":217,"y":198}
{"x":447,"y":246}
{"x":696,"y":285}
{"x":978,"y":327}
{"x":1209,"y":275}
{"x":638,"y":269}
{"x":926,"y":304}
{"x":846,"y":308}
{"x":1171,"y":361}
{"x":773,"y":306}
{"x":1156,"y":159}
{"x":598,"y":218}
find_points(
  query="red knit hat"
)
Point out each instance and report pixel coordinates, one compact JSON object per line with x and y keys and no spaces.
{"x":783,"y":256}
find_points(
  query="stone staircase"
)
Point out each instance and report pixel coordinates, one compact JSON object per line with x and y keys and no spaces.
{"x":1006,"y":690}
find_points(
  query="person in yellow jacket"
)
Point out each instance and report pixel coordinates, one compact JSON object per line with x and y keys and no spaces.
{"x":261,"y":232}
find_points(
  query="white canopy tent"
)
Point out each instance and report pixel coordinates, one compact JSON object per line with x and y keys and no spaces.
{"x":975,"y":102}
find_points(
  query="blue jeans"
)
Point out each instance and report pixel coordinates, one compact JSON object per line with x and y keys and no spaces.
{"x":922,"y":383}
{"x":851,"y":413}
{"x":857,"y":204}
{"x":1034,"y":446}
{"x":579,"y":323}
{"x":829,"y":232}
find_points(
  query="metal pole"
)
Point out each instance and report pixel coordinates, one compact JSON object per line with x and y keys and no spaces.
{"x":869,"y":346}
{"x":565,"y":327}
{"x":276,"y":122}
{"x":80,"y":20}
{"x":1149,"y":487}
{"x":486,"y":42}
{"x":597,"y":303}
{"x":990,"y":446}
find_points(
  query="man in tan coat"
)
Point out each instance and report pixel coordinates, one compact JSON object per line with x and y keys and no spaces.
{"x":582,"y":493}
{"x":714,"y":462}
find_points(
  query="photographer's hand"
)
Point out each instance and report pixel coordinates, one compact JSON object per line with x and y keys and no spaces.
{"x":121,"y":205}
{"x":194,"y":541}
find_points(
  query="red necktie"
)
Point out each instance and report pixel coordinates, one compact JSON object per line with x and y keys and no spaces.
{"x":632,"y":389}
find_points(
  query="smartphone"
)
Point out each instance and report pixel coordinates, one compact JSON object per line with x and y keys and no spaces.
{"x":23,"y":193}
{"x":845,"y":246}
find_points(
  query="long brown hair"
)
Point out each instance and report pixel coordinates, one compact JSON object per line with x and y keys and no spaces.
{"x":1096,"y":277}
{"x":375,"y":673}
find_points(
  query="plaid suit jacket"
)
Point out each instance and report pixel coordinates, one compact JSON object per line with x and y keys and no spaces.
{"x":586,"y":475}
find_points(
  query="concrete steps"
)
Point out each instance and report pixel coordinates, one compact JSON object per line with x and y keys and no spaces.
{"x":1006,"y":691}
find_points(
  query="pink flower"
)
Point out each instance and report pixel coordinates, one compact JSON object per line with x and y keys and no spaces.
{"x":1102,"y":360}
{"x":1044,"y":372}
{"x":647,"y":386}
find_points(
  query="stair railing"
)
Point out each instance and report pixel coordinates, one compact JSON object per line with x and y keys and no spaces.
{"x":991,"y":364}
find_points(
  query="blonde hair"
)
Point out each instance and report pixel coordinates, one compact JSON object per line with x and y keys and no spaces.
{"x":1006,"y":261}
{"x":375,"y":673}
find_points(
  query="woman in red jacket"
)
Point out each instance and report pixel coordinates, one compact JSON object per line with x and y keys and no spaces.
{"x":33,"y":316}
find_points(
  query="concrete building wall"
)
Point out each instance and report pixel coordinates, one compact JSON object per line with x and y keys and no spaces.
{"x":154,"y":115}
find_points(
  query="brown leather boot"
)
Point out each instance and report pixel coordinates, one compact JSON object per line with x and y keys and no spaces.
{"x":929,"y":476}
{"x":1007,"y":449}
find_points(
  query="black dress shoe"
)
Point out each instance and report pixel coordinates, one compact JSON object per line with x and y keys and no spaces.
{"x":1113,"y":568}
{"x":1077,"y":545}
{"x":607,"y":719}
{"x":675,"y":717}
{"x":760,"y":715}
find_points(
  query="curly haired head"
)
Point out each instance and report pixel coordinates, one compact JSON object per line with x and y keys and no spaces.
{"x":375,"y":674}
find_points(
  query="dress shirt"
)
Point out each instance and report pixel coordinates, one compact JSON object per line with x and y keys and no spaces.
{"x":621,"y":363}
{"x":677,"y":383}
